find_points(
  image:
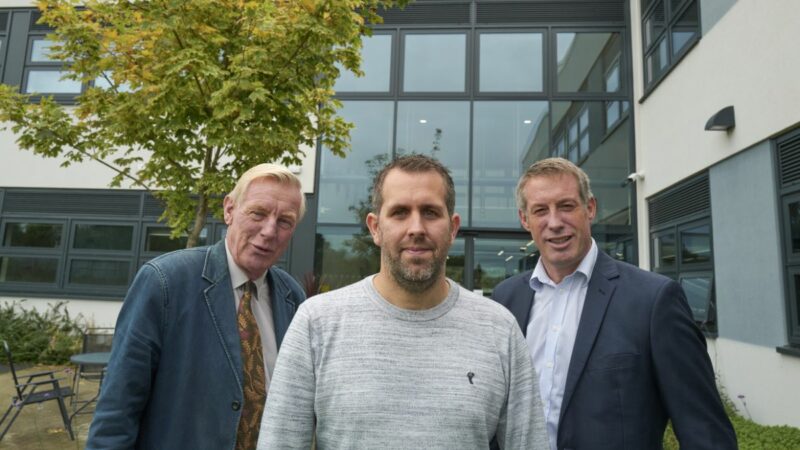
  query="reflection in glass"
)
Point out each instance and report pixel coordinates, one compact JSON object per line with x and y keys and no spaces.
{"x":50,"y":82}
{"x":498,"y":259}
{"x":435,"y":63}
{"x":696,"y":244}
{"x":504,"y":133}
{"x":612,"y":78}
{"x":376,"y":63}
{"x":157,"y":239}
{"x":344,"y":183}
{"x":25,"y":234}
{"x":685,"y":28}
{"x":654,"y":24}
{"x":584,"y":59}
{"x":344,"y":255}
{"x":441,"y":130}
{"x":511,"y":62}
{"x":40,"y":50}
{"x":604,"y":156}
{"x":23,"y":269}
{"x":794,"y":225}
{"x":454,"y":268}
{"x":664,"y":251}
{"x":698,"y":294}
{"x":103,"y":237}
{"x":102,"y":272}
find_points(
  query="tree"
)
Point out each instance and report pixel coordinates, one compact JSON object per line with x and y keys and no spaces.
{"x":185,"y":95}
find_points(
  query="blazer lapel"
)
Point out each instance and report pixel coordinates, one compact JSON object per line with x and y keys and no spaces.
{"x":522,"y":301}
{"x":598,"y":295}
{"x":220,"y":303}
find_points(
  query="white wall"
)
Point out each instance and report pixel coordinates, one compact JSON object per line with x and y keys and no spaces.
{"x":766,"y":379}
{"x":749,"y":59}
{"x":21,"y":168}
{"x":93,"y":313}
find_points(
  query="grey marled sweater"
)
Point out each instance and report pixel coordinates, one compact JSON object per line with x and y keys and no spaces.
{"x":375,"y":376}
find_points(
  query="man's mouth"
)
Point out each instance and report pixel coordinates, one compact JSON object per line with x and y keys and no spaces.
{"x":558,"y":241}
{"x":261,"y":249}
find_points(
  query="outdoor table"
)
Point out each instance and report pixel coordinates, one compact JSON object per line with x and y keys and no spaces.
{"x":95,"y":359}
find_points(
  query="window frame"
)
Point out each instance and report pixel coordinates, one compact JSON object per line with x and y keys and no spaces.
{"x":671,"y":18}
{"x":56,"y":253}
{"x":682,"y":269}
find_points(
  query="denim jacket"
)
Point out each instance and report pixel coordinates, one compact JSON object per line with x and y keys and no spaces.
{"x":174,"y":379}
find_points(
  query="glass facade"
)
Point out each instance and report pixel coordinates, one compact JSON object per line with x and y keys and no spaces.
{"x":487,"y":102}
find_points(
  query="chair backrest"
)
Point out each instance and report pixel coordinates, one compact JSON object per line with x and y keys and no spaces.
{"x":97,"y":340}
{"x":11,"y":367}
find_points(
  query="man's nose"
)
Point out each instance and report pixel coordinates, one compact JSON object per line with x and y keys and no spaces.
{"x":269,"y":228}
{"x":416,"y":225}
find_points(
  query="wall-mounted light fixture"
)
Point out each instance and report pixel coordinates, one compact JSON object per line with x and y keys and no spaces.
{"x":723,"y":120}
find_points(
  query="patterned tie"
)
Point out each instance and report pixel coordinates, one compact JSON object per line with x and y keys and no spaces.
{"x":255,"y":382}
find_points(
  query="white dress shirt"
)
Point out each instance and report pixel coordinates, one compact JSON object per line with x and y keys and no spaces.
{"x":555,"y":316}
{"x":262,"y":310}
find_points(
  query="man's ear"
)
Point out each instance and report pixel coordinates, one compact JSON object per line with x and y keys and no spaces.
{"x":372,"y":225}
{"x":523,"y":219}
{"x":227,"y":209}
{"x":591,"y":207}
{"x":455,"y":224}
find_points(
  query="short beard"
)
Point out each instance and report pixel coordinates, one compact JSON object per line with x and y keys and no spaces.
{"x":414,"y":281}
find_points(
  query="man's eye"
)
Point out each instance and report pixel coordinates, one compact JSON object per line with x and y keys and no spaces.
{"x":285,"y":224}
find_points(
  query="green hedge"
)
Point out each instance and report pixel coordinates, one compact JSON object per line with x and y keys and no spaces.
{"x":750,"y":435}
{"x":41,"y":338}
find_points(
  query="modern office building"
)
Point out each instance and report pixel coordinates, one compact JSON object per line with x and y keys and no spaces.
{"x":624,"y":88}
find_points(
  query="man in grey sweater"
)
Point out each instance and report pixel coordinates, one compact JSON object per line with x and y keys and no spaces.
{"x":405,"y":358}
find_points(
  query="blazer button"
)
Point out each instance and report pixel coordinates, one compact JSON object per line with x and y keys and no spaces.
{"x":236,"y":405}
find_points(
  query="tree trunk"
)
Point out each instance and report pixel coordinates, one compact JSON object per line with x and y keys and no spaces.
{"x":199,"y":221}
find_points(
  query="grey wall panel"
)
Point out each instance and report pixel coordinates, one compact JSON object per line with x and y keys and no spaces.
{"x":747,"y":248}
{"x":711,"y":11}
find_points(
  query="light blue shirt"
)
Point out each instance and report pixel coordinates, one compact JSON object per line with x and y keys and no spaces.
{"x":555,"y":316}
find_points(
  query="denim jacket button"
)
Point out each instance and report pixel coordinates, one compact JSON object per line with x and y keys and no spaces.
{"x":236,"y":405}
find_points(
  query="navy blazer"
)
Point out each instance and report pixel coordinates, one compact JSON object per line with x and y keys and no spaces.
{"x":175,"y":375}
{"x":639,"y":360}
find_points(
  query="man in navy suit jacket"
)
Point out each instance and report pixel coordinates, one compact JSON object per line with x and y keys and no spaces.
{"x":615,"y":347}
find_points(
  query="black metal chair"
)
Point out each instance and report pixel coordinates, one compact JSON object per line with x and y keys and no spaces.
{"x":94,"y":340}
{"x":29,"y":393}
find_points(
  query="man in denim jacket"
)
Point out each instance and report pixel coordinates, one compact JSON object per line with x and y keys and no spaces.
{"x":176,"y":377}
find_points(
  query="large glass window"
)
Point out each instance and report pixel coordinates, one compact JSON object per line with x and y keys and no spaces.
{"x":498,"y":259}
{"x":44,"y":74}
{"x":99,"y":272}
{"x":435,"y":63}
{"x":682,"y":251}
{"x":487,"y":103}
{"x":30,"y":251}
{"x":505,"y":134}
{"x":27,"y":269}
{"x":584,"y":59}
{"x":668,"y":30}
{"x":511,"y":62}
{"x":345,"y":182}
{"x":344,"y":255}
{"x":158,"y":239}
{"x":32,"y":234}
{"x":376,"y":63}
{"x":103,"y":237}
{"x":439,"y":129}
{"x":603,"y":155}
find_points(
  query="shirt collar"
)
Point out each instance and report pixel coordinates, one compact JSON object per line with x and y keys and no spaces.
{"x":238,"y":277}
{"x":539,"y":276}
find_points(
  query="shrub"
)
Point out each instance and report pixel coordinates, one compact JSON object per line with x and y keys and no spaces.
{"x":42,"y":338}
{"x":750,"y":435}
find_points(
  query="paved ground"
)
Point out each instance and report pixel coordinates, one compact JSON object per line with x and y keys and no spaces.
{"x":40,"y":426}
